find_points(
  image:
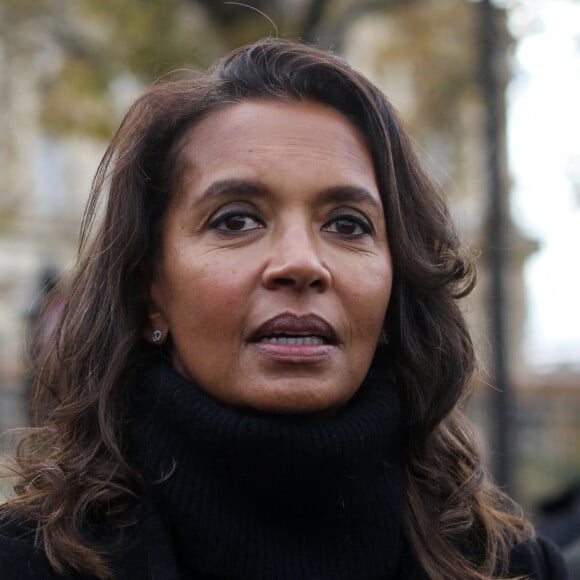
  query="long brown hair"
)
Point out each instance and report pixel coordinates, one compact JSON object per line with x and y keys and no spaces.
{"x":71,"y":464}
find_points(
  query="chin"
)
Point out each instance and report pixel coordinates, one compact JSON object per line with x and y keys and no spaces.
{"x":297,"y":401}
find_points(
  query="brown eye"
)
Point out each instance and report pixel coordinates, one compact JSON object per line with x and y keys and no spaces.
{"x":348,"y":226}
{"x":237,"y":222}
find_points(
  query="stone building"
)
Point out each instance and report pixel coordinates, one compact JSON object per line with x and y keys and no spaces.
{"x":44,"y":185}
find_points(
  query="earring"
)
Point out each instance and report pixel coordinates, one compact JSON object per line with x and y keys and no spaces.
{"x":157,"y":336}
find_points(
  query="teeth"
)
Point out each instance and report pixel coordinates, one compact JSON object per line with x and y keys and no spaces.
{"x":293,"y":340}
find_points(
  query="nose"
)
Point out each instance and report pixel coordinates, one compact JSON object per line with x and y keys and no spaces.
{"x":295,"y":262}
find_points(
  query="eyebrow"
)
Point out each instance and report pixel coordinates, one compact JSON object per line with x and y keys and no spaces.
{"x":248,"y":188}
{"x":349,"y":194}
{"x":231,"y":187}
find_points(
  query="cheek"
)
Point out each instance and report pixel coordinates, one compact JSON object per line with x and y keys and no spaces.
{"x":369,"y":304}
{"x":372,"y":284}
{"x":207,"y":301}
{"x":381,"y":289}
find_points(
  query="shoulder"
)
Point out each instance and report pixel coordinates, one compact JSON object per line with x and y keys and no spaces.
{"x":538,"y":559}
{"x":20,"y":559}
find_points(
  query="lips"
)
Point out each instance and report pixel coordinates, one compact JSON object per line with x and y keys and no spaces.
{"x":290,"y":329}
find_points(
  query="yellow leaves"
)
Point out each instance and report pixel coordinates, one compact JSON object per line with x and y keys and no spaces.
{"x":101,"y":41}
{"x":76,"y":102}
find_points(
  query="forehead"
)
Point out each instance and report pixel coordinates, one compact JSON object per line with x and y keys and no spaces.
{"x":255,"y":132}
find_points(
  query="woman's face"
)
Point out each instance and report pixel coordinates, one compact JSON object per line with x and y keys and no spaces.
{"x":275,"y":272}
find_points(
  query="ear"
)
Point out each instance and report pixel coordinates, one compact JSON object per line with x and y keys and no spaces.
{"x":156,"y":328}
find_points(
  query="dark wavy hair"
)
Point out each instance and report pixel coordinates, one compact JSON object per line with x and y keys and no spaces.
{"x":71,"y":463}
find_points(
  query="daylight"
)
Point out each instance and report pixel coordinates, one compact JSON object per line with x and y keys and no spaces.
{"x":545,"y":161}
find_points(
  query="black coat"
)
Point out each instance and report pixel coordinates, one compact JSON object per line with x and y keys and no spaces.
{"x":151,"y":558}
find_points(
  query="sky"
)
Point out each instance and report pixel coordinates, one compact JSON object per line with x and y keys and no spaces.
{"x":544,"y":151}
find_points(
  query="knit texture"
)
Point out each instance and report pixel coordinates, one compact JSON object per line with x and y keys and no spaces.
{"x":250,"y":496}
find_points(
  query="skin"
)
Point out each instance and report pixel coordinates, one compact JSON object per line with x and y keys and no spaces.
{"x":278,"y":215}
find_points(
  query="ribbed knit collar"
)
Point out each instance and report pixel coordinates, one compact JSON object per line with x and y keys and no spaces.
{"x":264,"y":497}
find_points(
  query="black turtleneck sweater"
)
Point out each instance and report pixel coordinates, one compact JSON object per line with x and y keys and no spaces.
{"x":262,"y":497}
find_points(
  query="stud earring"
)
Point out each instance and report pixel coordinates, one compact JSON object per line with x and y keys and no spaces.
{"x":157,"y":336}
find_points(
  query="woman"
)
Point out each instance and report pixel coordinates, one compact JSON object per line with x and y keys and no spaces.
{"x":258,"y":367}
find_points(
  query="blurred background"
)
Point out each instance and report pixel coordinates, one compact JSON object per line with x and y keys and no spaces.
{"x":490,"y":92}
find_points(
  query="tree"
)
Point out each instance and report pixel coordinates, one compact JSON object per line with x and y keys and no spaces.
{"x":97,"y":55}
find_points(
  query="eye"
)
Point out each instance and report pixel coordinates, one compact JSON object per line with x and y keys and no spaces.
{"x":237,"y":221}
{"x":348,"y":226}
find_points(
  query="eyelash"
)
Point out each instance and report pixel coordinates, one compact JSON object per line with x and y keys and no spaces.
{"x":221,"y":219}
{"x":362,"y":223}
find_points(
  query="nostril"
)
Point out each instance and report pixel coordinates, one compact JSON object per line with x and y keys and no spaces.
{"x":296,"y":282}
{"x":285,"y":281}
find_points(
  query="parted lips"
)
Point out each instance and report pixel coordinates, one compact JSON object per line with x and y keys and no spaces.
{"x":292,"y":326}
